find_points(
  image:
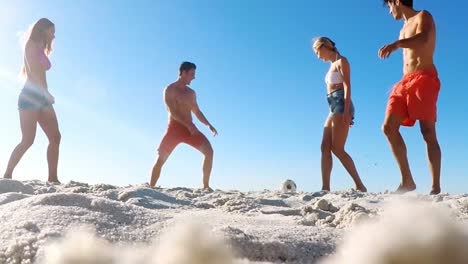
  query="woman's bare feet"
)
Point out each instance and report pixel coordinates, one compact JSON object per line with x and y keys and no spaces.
{"x":435,"y":190}
{"x":207,"y":189}
{"x":361,"y":188}
{"x":55,"y":182}
{"x":404,"y":188}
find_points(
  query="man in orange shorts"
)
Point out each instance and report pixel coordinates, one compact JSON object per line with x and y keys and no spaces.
{"x":181,"y":101}
{"x":415,"y":96}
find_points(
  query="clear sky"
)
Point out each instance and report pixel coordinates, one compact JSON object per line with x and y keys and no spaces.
{"x":258,"y":82}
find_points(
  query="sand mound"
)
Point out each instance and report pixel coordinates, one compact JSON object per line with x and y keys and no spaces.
{"x":128,"y":224}
{"x":407,"y":232}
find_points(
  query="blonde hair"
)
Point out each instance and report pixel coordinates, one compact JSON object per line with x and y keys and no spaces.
{"x":324,"y":42}
{"x":36,"y":33}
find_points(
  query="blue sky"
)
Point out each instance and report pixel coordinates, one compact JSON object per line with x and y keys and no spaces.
{"x":258,"y":82}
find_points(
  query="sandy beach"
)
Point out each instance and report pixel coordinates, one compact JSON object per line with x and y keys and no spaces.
{"x":43,"y":223}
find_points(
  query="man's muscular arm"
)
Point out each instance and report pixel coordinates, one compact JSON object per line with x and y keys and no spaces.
{"x":199,"y":114}
{"x":425,"y":26}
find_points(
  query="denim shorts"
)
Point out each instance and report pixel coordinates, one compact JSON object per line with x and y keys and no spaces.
{"x":33,"y":99}
{"x":336,"y":102}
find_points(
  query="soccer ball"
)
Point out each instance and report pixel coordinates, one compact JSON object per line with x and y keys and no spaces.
{"x":288,"y":186}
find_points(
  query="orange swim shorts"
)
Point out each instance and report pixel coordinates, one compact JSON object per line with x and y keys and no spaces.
{"x":177,"y":133}
{"x":415,"y":97}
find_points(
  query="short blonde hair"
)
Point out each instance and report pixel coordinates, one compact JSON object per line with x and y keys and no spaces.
{"x":325,"y":42}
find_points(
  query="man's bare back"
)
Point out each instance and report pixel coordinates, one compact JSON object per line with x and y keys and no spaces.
{"x":419,"y":57}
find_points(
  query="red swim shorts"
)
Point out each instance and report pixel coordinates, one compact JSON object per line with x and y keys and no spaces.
{"x":177,"y":133}
{"x":415,"y":97}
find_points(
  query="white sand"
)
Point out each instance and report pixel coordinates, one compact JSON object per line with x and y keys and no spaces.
{"x":136,"y":224}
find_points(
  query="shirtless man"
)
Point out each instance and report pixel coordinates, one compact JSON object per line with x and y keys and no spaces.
{"x":181,"y":101}
{"x":415,"y":96}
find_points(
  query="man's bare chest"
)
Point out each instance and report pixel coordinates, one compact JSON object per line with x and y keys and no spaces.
{"x":409,"y":30}
{"x":184,"y":97}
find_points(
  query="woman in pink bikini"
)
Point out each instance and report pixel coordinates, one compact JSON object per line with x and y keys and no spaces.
{"x":35,"y":101}
{"x":341,"y":114}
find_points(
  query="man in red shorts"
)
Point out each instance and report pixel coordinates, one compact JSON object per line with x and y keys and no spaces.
{"x":415,"y":96}
{"x":181,"y":101}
